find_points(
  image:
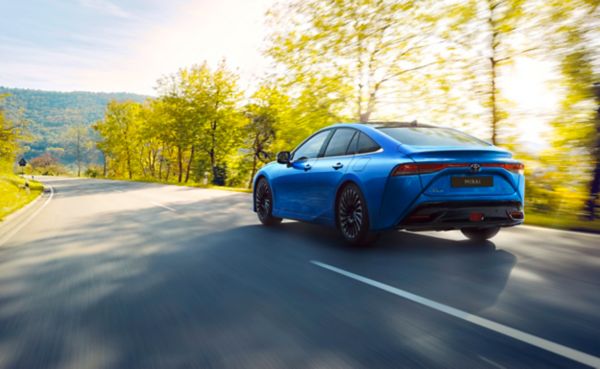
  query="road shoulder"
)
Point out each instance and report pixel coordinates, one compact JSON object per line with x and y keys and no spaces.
{"x":21,"y":217}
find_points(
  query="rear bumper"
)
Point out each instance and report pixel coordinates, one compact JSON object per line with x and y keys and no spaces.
{"x":450,"y":215}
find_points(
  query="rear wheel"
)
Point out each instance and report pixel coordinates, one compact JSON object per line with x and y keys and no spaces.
{"x":480,"y":234}
{"x":353,"y":217}
{"x":263,"y":201}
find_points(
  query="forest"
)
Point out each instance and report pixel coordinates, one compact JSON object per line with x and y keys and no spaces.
{"x":441,"y":62}
{"x":50,"y":117}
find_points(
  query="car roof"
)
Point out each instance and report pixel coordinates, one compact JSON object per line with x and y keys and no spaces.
{"x":385,"y":124}
{"x":414,"y":123}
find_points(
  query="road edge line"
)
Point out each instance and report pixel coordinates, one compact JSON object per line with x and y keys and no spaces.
{"x":23,"y":223}
{"x":556,"y":348}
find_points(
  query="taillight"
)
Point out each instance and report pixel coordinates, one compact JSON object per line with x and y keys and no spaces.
{"x":413,"y":168}
{"x":518,"y":168}
{"x":425,"y":168}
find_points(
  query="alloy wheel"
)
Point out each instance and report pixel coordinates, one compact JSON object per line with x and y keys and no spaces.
{"x":350,"y":213}
{"x":263,"y":200}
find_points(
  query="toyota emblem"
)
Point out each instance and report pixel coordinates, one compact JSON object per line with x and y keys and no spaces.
{"x":475,"y":168}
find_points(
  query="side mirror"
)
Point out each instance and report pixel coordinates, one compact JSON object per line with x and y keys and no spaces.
{"x":283,"y":157}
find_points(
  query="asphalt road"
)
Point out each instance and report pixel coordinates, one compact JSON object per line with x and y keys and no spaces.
{"x":108,"y":274}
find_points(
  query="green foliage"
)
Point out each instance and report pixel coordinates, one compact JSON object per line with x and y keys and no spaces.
{"x":11,"y":131}
{"x":50,"y":114}
{"x":14,"y":193}
{"x":120,"y":136}
{"x":193,"y":130}
{"x":351,"y":50}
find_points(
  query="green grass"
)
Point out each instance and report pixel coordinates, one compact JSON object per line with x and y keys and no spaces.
{"x":13,"y":196}
{"x":561,"y":222}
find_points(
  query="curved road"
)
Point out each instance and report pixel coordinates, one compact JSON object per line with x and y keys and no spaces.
{"x":110,"y":274}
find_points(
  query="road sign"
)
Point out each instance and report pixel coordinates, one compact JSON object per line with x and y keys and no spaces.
{"x":22,"y":162}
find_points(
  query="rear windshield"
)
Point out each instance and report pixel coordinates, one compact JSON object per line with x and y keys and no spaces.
{"x":431,"y":136}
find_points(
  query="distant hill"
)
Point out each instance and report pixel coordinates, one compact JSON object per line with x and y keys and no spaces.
{"x":51,"y":113}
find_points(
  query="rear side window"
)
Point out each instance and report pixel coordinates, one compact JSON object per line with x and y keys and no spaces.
{"x":366,"y":144}
{"x":431,"y":136}
{"x":338,"y":145}
{"x":352,"y":146}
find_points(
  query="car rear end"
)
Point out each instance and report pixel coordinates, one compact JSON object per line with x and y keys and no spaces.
{"x":447,"y":180}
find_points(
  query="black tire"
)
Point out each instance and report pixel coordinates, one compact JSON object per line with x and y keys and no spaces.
{"x":480,"y":234}
{"x":263,"y":202}
{"x":352,"y":216}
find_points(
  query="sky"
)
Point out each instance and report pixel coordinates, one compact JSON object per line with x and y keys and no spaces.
{"x":125,"y":45}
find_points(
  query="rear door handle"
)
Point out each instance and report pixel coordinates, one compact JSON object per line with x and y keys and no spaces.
{"x":307,"y":167}
{"x":337,"y":166}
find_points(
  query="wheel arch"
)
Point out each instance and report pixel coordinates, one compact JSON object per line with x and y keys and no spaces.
{"x":256,"y":179}
{"x":343,"y":183}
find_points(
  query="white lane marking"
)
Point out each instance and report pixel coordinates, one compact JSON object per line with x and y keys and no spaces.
{"x":26,"y":221}
{"x":544,"y":344}
{"x":162,"y":206}
{"x":491,"y":362}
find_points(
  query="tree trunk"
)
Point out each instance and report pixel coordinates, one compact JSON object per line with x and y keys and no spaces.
{"x":493,"y":73}
{"x":160,"y":166}
{"x":493,"y":102}
{"x":189,"y":165}
{"x":254,"y":163}
{"x":179,"y":163}
{"x":129,"y":164}
{"x":151,"y":161}
{"x":213,"y":163}
{"x":592,"y":202}
{"x":78,"y":153}
{"x":104,"y":163}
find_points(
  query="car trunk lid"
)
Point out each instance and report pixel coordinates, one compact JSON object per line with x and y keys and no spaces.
{"x":461,"y":171}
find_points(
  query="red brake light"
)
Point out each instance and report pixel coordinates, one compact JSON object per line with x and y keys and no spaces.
{"x":413,"y":168}
{"x":515,"y":167}
{"x":424,"y":168}
{"x":511,"y":167}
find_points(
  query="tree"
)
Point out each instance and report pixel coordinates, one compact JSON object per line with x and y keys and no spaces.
{"x":46,"y":164}
{"x":7,"y":140}
{"x":576,"y":139}
{"x":487,"y":33}
{"x":205,"y":121}
{"x":265,"y":114}
{"x":366,"y":47}
{"x":220,"y":132}
{"x":78,"y":144}
{"x":119,"y":131}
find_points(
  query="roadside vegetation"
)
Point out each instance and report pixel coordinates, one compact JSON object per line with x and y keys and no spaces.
{"x":14,"y":194}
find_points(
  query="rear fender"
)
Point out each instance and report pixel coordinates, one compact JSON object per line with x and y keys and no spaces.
{"x":371,"y":186}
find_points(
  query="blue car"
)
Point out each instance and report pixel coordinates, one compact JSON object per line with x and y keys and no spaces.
{"x":368,"y":178}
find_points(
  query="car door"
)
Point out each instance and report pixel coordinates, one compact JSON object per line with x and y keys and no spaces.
{"x":291,"y":185}
{"x":327,"y":172}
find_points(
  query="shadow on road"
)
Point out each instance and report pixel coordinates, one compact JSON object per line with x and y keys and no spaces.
{"x":206,"y":286}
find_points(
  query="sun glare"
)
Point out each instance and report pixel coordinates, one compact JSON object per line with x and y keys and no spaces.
{"x":533,"y":99}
